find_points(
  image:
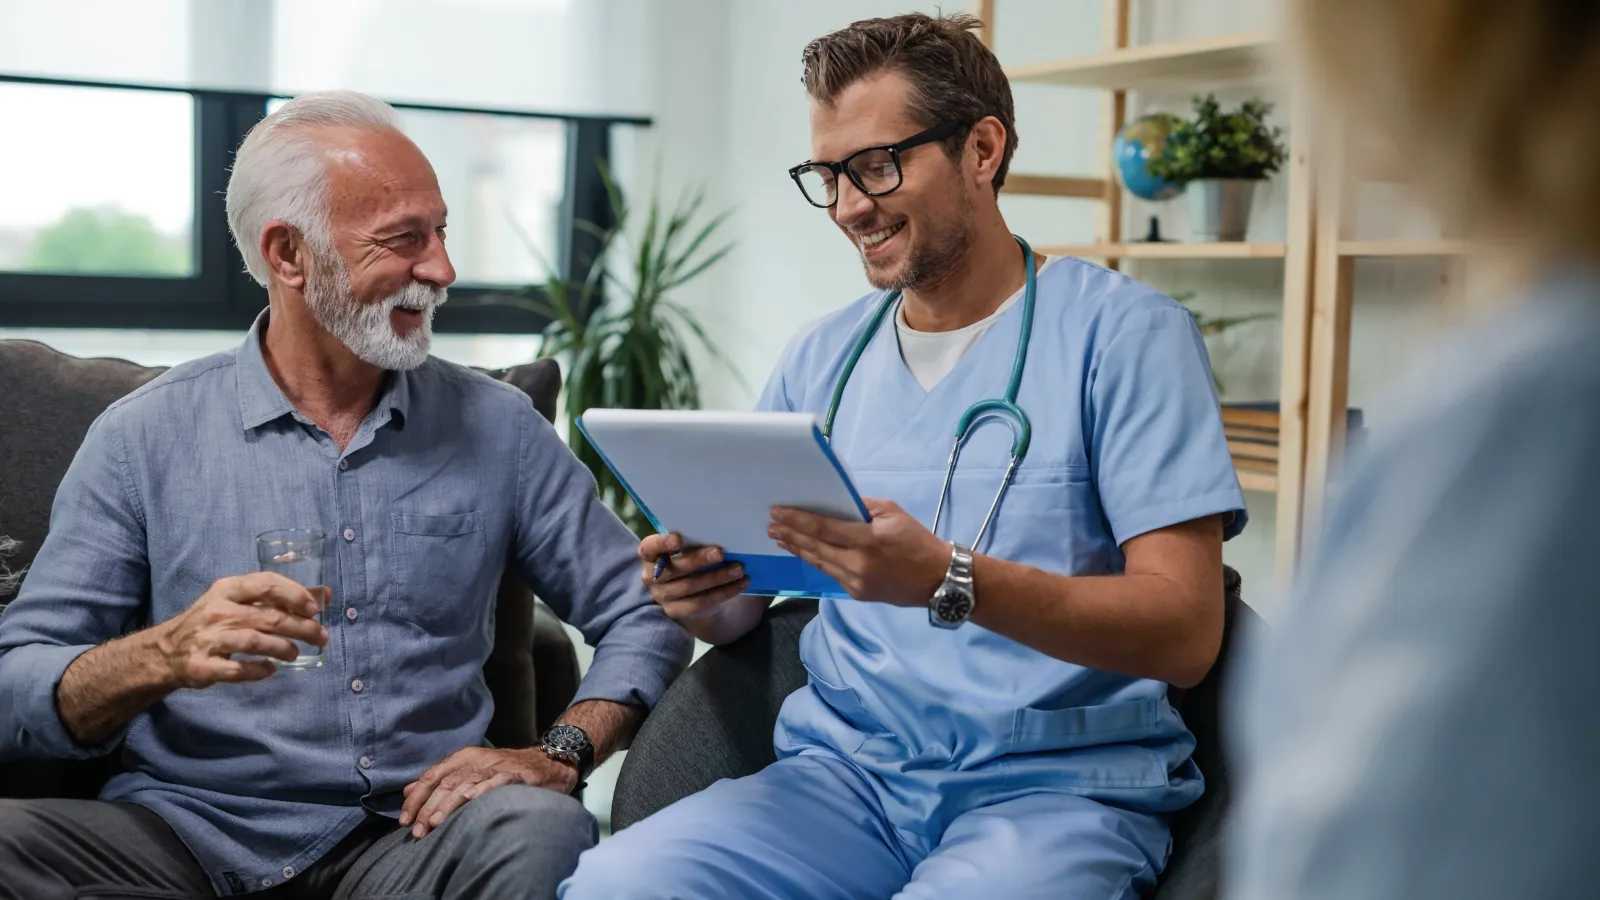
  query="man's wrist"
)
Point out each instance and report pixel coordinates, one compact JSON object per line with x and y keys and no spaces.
{"x":152,"y":652}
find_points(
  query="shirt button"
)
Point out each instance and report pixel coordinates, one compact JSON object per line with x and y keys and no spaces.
{"x":366,"y":762}
{"x":349,"y":534}
{"x":288,"y":871}
{"x":357,"y":686}
{"x":344,"y":464}
{"x":266,"y":882}
{"x":350,"y":614}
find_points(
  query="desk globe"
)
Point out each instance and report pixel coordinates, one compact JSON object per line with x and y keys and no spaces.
{"x":1140,"y":141}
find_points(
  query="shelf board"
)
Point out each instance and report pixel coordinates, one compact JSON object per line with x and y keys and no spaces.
{"x":1255,"y":475}
{"x":1402,"y":248}
{"x":1227,"y":58}
{"x":1223,"y":250}
{"x":1055,"y":186}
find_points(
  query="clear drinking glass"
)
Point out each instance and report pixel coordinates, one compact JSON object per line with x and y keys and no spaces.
{"x":296,"y":554}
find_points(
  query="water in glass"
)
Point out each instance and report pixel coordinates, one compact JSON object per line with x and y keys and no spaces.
{"x":297,"y":556}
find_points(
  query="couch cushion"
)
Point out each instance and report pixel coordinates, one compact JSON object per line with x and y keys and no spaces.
{"x":47,"y":402}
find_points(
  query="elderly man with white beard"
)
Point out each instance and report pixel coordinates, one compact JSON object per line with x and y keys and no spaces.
{"x":143,"y":626}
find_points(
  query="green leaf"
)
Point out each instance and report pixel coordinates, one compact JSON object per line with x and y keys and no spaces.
{"x":1214,"y":144}
{"x":617,"y":329}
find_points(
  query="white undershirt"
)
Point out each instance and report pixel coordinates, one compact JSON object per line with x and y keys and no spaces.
{"x":930,"y":355}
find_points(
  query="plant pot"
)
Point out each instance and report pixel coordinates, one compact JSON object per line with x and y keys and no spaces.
{"x":1219,"y":208}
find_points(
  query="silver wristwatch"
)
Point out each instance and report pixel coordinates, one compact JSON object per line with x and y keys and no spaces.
{"x":951,"y":605}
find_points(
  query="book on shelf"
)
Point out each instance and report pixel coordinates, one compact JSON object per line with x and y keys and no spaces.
{"x":1252,"y":430}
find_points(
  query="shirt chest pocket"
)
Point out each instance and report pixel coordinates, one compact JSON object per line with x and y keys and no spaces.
{"x":439,"y":569}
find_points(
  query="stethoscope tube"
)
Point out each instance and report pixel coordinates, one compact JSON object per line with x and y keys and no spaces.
{"x":1006,"y":409}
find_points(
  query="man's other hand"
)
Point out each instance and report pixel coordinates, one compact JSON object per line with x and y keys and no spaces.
{"x":469,"y":772}
{"x":692,"y":584}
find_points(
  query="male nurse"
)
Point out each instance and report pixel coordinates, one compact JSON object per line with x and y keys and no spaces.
{"x":980,"y":721}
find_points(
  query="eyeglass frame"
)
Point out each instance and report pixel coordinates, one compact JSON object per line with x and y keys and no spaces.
{"x":938,"y":132}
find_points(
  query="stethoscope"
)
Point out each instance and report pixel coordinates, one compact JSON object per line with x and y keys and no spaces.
{"x":1006,"y":410}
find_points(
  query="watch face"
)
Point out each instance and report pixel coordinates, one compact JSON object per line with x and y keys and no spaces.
{"x":952,"y":605}
{"x":566,"y":738}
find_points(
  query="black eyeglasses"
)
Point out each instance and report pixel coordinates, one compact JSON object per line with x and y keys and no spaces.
{"x":875,"y":170}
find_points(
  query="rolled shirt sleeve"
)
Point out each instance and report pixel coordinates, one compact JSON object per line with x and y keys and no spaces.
{"x":1156,"y":444}
{"x":583,"y":561}
{"x":87,"y":585}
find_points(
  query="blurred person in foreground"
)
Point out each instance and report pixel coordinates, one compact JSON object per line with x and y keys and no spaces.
{"x":142,"y":629}
{"x":1422,"y":722}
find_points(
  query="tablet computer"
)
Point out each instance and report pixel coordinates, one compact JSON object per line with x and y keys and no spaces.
{"x":714,"y":478}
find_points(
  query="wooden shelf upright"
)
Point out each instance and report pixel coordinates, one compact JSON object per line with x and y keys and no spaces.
{"x":1120,"y":68}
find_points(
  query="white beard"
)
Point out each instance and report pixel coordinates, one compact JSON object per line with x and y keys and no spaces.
{"x":365,"y":327}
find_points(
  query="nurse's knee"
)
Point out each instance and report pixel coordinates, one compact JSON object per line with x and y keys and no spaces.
{"x":623,"y":869}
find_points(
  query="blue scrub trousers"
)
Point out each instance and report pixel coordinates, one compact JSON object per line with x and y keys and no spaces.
{"x":811,"y":827}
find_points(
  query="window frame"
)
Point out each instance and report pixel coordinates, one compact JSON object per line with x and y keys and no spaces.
{"x":221,"y":295}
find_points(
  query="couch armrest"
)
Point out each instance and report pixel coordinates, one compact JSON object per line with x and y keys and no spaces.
{"x":716,"y":720}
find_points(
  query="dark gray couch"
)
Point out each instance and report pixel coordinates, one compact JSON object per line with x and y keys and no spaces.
{"x":47,"y":401}
{"x":726,"y":704}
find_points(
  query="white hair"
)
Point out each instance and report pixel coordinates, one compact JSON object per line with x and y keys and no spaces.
{"x":279,"y":172}
{"x":10,"y":582}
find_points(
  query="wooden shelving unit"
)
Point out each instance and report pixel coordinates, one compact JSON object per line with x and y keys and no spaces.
{"x":1055,"y":186}
{"x":1214,"y":59}
{"x":1225,"y":250}
{"x":1197,"y":64}
{"x":1318,"y":254}
{"x":1398,"y":248}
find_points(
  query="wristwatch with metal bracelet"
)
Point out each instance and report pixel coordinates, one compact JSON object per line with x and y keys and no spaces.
{"x":951,"y":605}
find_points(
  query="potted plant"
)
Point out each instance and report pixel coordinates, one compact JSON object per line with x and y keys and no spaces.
{"x":1218,"y":157}
{"x":622,"y":340}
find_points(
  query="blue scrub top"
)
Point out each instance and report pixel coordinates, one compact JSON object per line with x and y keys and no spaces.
{"x":1127,"y":438}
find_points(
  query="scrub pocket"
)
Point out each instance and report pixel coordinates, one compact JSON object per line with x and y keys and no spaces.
{"x":839,"y":719}
{"x":1089,"y":746}
{"x":438,"y":563}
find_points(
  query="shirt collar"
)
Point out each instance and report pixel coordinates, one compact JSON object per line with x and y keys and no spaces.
{"x":262,"y":401}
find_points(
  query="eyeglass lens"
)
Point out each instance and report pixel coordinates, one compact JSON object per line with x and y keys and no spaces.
{"x":874,"y":171}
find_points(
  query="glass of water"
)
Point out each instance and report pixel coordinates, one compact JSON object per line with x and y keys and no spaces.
{"x":296,"y":554}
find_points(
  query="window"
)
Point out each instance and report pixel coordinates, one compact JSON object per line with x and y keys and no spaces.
{"x":114,"y":216}
{"x":72,"y":207}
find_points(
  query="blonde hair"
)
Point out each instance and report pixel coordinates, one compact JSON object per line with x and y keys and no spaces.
{"x":1494,"y":106}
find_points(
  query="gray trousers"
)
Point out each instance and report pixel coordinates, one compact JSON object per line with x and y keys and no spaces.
{"x":511,"y":842}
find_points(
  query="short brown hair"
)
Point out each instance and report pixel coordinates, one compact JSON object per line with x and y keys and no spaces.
{"x":954,"y":77}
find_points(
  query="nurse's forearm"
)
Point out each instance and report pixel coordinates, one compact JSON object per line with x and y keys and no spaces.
{"x":1132,"y":624}
{"x":1161,"y":620}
